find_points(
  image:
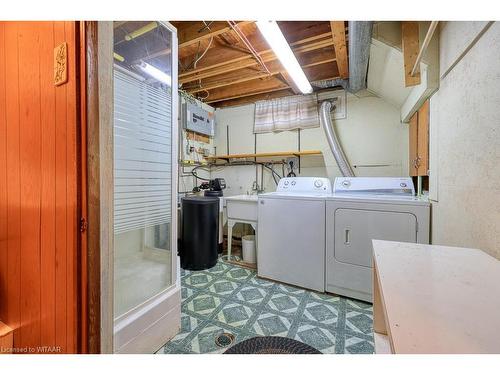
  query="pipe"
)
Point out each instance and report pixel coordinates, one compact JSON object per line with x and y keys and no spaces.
{"x":331,"y":135}
{"x":425,"y":44}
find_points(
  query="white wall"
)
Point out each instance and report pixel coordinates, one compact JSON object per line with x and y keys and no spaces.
{"x":372,"y":134}
{"x":465,"y":138}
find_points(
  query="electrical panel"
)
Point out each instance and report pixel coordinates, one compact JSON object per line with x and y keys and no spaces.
{"x":197,"y":119}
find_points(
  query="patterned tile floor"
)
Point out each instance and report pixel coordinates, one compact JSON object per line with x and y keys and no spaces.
{"x":229,"y":298}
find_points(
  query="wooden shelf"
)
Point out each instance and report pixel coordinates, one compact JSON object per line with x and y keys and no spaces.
{"x":264,"y":155}
{"x":6,"y":338}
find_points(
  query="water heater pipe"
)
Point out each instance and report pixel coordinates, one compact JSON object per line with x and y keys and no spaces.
{"x":333,"y":141}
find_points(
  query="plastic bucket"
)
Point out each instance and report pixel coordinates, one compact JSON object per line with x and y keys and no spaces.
{"x":248,"y":249}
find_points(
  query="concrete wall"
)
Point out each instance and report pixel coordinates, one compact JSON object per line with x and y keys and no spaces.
{"x":465,"y":138}
{"x":372,"y":134}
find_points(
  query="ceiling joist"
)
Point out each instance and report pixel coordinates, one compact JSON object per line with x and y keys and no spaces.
{"x":249,"y":74}
{"x":231,"y":70}
{"x":253,"y":98}
{"x":247,"y":61}
{"x":240,"y":90}
{"x":410,"y":43}
{"x":221,"y":57}
{"x":198,"y":31}
{"x":340,"y":45}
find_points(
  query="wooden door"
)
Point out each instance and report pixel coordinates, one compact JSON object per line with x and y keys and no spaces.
{"x":419,"y":142}
{"x":39,"y":182}
{"x":413,"y":145}
{"x":423,"y":140}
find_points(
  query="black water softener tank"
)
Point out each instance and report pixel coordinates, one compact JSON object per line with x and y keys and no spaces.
{"x":199,"y":239}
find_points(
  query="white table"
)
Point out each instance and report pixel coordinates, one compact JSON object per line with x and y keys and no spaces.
{"x":435,"y":299}
{"x":240,"y":209}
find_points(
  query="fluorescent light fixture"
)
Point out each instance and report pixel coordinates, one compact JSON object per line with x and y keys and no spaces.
{"x":274,"y":37}
{"x":155,"y":73}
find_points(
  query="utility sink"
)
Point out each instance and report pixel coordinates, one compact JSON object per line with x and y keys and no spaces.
{"x":242,"y":207}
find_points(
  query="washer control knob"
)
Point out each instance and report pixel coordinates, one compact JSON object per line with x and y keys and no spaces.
{"x":318,"y":183}
{"x":293,"y":183}
{"x":403,"y":184}
{"x":346,"y":183}
{"x":286,"y":183}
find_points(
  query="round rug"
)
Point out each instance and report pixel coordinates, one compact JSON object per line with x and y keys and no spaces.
{"x":271,"y":345}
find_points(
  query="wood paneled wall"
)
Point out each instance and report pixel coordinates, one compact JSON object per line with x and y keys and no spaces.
{"x":38,"y":186}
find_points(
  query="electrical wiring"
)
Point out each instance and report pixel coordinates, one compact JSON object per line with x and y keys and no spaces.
{"x":236,"y":164}
{"x":205,"y":97}
{"x":272,"y":174}
{"x":204,"y":52}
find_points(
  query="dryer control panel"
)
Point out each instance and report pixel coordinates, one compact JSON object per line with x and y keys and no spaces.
{"x":374,"y":185}
{"x":305,"y":185}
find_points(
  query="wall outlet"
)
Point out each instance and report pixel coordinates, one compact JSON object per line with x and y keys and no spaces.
{"x":294,"y":164}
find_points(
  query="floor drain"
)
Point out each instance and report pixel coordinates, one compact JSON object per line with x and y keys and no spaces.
{"x":224,"y":339}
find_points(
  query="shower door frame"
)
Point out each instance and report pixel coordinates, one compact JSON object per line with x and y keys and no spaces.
{"x":147,"y":326}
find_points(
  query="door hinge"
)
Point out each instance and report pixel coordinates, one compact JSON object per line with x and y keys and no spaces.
{"x":83,"y":224}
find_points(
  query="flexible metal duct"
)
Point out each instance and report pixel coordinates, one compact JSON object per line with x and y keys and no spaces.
{"x":329,"y":83}
{"x":326,"y":122}
{"x":360,"y":35}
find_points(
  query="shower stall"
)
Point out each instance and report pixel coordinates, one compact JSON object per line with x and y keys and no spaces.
{"x":146,"y":290}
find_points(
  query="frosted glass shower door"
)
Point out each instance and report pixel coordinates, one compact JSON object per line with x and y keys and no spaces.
{"x":143,"y":190}
{"x":145,"y":261}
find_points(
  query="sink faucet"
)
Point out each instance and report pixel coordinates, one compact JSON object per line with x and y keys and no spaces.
{"x":256,"y":189}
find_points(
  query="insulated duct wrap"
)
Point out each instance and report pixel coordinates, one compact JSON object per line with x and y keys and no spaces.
{"x":331,"y":135}
{"x":360,"y":36}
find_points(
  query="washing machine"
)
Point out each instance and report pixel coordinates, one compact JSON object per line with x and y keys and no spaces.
{"x":291,"y":232}
{"x":362,"y":209}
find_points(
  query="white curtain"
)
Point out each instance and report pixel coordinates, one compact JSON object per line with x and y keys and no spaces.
{"x":288,"y":113}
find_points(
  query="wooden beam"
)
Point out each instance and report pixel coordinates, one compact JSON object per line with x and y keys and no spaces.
{"x":231,"y":79}
{"x":410,"y":43}
{"x":233,"y":90}
{"x":300,"y":30}
{"x":224,"y":55}
{"x":290,"y":82}
{"x":249,"y":74}
{"x":245,"y":94}
{"x":339,"y":42}
{"x":197,"y":32}
{"x":252,"y":98}
{"x":317,"y":57}
{"x":95,"y":164}
{"x":245,"y":61}
{"x":310,"y":44}
{"x":425,"y":44}
{"x":265,"y":155}
{"x":264,"y":85}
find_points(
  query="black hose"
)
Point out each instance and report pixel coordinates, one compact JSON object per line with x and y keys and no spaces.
{"x":193,"y":172}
